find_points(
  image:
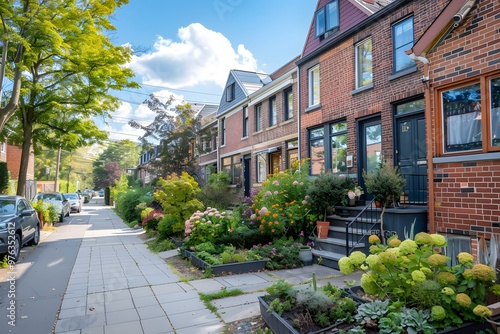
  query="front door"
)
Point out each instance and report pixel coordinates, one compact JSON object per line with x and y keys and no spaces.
{"x":411,"y":156}
{"x":246,"y":175}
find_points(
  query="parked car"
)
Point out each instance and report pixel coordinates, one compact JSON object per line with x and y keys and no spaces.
{"x":19,"y":225}
{"x":57,"y":200}
{"x":101,"y":193}
{"x":75,"y":201}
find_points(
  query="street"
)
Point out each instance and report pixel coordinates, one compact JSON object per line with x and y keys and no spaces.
{"x":31,"y":293}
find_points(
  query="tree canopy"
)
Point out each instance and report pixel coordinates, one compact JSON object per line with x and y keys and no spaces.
{"x":63,"y":68}
{"x":175,"y":129}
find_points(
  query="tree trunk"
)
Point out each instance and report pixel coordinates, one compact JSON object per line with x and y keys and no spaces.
{"x":7,"y":111}
{"x":25,"y":156}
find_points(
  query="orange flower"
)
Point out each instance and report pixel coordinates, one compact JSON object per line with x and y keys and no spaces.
{"x":276,"y":223}
{"x":272,"y":230}
{"x":270,"y":223}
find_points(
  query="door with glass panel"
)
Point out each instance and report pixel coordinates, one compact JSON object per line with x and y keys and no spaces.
{"x":370,"y":153}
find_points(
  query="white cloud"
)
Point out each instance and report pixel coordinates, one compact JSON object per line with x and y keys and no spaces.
{"x":202,"y":56}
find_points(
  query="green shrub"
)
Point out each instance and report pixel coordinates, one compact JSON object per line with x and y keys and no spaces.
{"x":281,"y":254}
{"x":127,"y":202}
{"x":4,"y":177}
{"x":217,"y":192}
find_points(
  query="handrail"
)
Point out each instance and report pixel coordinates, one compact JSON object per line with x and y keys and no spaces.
{"x":359,"y":225}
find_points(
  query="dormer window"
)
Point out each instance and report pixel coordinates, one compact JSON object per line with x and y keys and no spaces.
{"x":230,"y":93}
{"x":327,"y":18}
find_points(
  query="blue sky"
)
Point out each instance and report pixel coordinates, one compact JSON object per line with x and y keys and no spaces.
{"x":187,"y":47}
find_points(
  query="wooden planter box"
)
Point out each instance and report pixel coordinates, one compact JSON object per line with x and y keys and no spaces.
{"x":230,"y":268}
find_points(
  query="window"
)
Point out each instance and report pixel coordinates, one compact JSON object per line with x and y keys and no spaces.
{"x":327,"y":18}
{"x":288,"y":103}
{"x":364,"y":74}
{"x":230,"y":92}
{"x":223,"y":132}
{"x":292,"y":153}
{"x":332,"y":155}
{"x":402,"y":40}
{"x":258,"y":117}
{"x":232,"y":166}
{"x":273,"y":117}
{"x":314,"y":86}
{"x":261,"y":167}
{"x":245,"y":121}
{"x":495,"y":111}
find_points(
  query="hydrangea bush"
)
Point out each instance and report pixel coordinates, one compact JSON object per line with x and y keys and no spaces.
{"x":281,"y":205}
{"x":414,"y":273}
{"x":207,"y":226}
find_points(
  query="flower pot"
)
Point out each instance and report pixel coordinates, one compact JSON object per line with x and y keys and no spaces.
{"x":322,"y":228}
{"x":352,"y":202}
{"x":305,"y":254}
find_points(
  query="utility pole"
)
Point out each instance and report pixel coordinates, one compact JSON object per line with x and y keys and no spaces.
{"x":56,"y":183}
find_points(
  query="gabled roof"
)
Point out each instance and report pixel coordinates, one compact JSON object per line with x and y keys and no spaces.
{"x":351,"y":13}
{"x":245,"y":83}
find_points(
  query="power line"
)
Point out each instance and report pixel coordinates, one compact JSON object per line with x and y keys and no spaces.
{"x":180,"y":90}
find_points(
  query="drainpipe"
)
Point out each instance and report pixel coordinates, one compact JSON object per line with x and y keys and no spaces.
{"x":429,"y":141}
{"x":298,"y":114}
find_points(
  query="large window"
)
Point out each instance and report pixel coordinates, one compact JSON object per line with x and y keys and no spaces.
{"x":274,"y":162}
{"x":230,"y":92}
{"x":364,"y":74}
{"x":327,"y":18}
{"x":258,"y":117}
{"x":232,"y":166}
{"x":273,"y":114}
{"x":471,"y":117}
{"x":313,"y":86}
{"x":245,"y":121}
{"x":328,"y":148}
{"x":402,"y":39}
{"x":261,"y":167}
{"x":288,"y":93}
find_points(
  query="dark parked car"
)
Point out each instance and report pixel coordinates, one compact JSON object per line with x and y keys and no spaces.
{"x":57,"y":200}
{"x":75,"y":201}
{"x":19,"y":225}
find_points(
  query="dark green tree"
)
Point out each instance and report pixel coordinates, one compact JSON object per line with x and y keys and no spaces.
{"x":4,"y":177}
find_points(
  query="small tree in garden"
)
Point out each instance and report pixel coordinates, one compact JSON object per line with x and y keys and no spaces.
{"x":177,"y":196}
{"x":327,"y":191}
{"x":281,"y":205}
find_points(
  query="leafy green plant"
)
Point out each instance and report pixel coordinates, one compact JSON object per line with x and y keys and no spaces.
{"x":368,"y":314}
{"x":208,"y":225}
{"x":217,"y":192}
{"x":327,"y":191}
{"x":283,"y":253}
{"x":415,"y":274}
{"x":4,"y":177}
{"x":177,"y":196}
{"x":161,"y":245}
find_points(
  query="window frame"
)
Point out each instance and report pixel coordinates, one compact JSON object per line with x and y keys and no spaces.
{"x":359,"y":65}
{"x":223,"y":131}
{"x":402,"y":47}
{"x":273,"y":112}
{"x":258,"y":117}
{"x":326,"y":138}
{"x":261,"y":177}
{"x":485,"y":82}
{"x":288,"y":103}
{"x":234,"y":165}
{"x":313,"y":100}
{"x":230,"y":91}
{"x":245,"y":121}
{"x":324,"y":16}
{"x":292,"y":152}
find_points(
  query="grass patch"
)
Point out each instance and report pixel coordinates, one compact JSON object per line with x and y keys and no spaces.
{"x":208,"y":297}
{"x":157,"y":245}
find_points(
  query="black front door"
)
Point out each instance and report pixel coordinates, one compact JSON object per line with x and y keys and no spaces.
{"x":246,"y":175}
{"x":411,"y":156}
{"x":370,"y":149}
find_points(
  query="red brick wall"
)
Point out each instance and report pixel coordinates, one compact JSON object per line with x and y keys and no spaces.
{"x":467,"y":193}
{"x":14,"y":161}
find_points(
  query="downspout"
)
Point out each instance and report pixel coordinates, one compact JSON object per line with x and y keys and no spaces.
{"x":429,"y":141}
{"x":298,"y":115}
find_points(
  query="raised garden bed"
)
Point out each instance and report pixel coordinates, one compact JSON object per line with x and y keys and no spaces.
{"x":230,"y":268}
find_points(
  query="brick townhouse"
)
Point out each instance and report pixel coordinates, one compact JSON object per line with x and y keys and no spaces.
{"x":257,"y":125}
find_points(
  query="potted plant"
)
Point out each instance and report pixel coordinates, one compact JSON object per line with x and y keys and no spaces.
{"x":354,"y":195}
{"x":386,"y":184}
{"x":418,"y":286}
{"x":324,"y":192}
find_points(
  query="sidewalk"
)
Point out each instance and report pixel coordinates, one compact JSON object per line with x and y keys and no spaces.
{"x":118,"y":286}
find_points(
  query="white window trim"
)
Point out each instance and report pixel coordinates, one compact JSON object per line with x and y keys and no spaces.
{"x":310,"y":78}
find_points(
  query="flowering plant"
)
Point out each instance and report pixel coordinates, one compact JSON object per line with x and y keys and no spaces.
{"x":282,"y":204}
{"x":413,"y":273}
{"x":207,"y":226}
{"x":355,"y":194}
{"x":151,"y":218}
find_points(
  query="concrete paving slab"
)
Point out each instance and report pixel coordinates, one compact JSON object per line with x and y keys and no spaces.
{"x":194,"y":318}
{"x":133,"y":327}
{"x":152,"y":311}
{"x":121,"y":316}
{"x":239,"y":312}
{"x":207,"y":285}
{"x":183,"y":306}
{"x":177,"y":296}
{"x":145,"y":301}
{"x":210,"y":328}
{"x":156,"y":325}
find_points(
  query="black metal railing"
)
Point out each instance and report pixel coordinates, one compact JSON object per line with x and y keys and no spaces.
{"x":416,"y":189}
{"x":358,"y":230}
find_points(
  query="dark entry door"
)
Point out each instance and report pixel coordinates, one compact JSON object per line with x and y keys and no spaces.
{"x":411,"y":156}
{"x":370,"y":149}
{"x":246,"y":175}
